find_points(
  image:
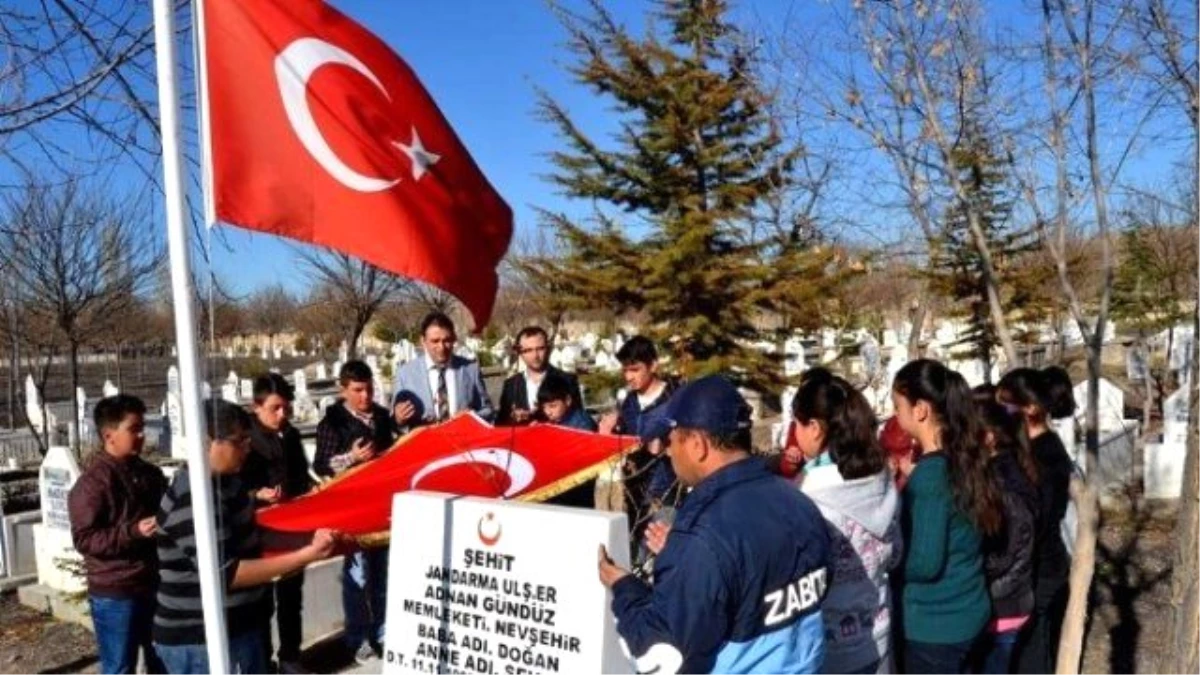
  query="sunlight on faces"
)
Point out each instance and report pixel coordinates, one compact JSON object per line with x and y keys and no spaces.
{"x":227,"y":455}
{"x":639,"y":376}
{"x":359,"y":395}
{"x":272,"y":412}
{"x":556,"y":411}
{"x":533,"y":350}
{"x":127,"y":438}
{"x":439,"y":344}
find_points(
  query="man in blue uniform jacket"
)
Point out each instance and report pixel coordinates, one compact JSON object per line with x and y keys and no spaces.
{"x":739,"y":584}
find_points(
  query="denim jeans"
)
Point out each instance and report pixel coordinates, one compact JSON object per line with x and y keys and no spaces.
{"x":245,"y":656}
{"x":997,"y":652}
{"x":123,"y":625}
{"x":364,"y":596}
{"x":926,"y":657}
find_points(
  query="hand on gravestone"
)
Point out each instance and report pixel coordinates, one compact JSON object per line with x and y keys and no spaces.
{"x":610,"y":572}
{"x":146,"y":527}
{"x":656,"y":536}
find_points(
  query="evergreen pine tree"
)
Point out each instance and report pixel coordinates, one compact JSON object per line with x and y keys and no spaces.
{"x":956,"y":267}
{"x":693,"y":165}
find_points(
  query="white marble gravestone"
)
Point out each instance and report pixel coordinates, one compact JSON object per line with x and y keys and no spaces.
{"x":1112,"y":404}
{"x":52,"y":537}
{"x":33,"y":405}
{"x":110,"y":389}
{"x":322,"y":373}
{"x":246,"y":390}
{"x":300,"y":382}
{"x":229,"y":393}
{"x":514,"y":586}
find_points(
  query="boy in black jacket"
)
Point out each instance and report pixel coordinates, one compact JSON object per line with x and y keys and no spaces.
{"x":355,"y":430}
{"x":276,"y":470}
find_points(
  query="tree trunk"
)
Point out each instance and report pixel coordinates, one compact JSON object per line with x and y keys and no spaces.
{"x":13,"y":375}
{"x":918,"y":325}
{"x":74,"y":366}
{"x":120,"y":384}
{"x":1083,"y":566}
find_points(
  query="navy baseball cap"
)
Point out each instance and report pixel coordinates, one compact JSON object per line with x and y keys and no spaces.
{"x":709,"y":404}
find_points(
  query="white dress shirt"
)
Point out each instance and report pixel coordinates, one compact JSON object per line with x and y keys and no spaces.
{"x":451,"y":386}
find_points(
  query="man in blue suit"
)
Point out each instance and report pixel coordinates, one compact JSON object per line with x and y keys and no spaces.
{"x":437,"y":385}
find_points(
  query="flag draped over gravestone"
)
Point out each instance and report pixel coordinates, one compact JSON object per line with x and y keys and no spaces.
{"x":322,"y":134}
{"x":465,"y":456}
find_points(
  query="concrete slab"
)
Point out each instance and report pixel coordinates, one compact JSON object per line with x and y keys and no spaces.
{"x":71,"y":607}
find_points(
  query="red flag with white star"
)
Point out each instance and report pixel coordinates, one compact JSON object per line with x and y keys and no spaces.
{"x":321,"y":133}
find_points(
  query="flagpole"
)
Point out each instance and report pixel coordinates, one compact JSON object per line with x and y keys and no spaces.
{"x":211,"y":593}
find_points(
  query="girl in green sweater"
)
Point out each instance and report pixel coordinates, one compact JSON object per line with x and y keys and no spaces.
{"x":950,"y":503}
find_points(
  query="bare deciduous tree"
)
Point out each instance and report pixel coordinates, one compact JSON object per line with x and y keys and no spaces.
{"x":271,"y":311}
{"x":79,"y":262}
{"x":351,"y":289}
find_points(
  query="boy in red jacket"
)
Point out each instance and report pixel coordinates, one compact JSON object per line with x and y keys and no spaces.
{"x":112,"y":508}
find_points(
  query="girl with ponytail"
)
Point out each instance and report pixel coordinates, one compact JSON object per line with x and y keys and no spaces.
{"x":1037,"y":397}
{"x":846,"y":475}
{"x":950,"y":503}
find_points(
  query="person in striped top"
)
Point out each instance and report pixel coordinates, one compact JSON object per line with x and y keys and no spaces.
{"x":179,"y":618}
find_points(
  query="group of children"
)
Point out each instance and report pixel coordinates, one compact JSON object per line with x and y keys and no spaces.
{"x":137,"y":538}
{"x":947,"y":553}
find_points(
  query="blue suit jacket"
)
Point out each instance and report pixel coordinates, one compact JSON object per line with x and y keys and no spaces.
{"x":412,"y":385}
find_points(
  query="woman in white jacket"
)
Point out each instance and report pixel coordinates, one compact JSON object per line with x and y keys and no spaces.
{"x":846,"y":474}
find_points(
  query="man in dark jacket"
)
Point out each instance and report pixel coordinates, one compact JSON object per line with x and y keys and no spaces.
{"x":355,"y":430}
{"x":276,"y":470}
{"x":727,"y":598}
{"x":519,"y":396}
{"x":112,"y":508}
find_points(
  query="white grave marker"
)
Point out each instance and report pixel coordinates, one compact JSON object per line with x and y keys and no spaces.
{"x":1112,"y":404}
{"x":110,"y":389}
{"x":33,"y":404}
{"x":475,"y":586}
{"x":52,"y":537}
{"x":322,"y":374}
{"x":300,"y":382}
{"x":246,"y":390}
{"x":229,"y":393}
{"x":82,"y":428}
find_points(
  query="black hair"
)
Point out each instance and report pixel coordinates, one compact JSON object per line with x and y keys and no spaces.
{"x":638,"y":349}
{"x":947,"y":393}
{"x":1008,"y":434}
{"x":438,"y":319}
{"x":111,"y":411}
{"x":1049,"y":390}
{"x":847,"y":419}
{"x":272,"y":383}
{"x":554,"y":388}
{"x":354,"y":371}
{"x":531,"y":331}
{"x":222,"y":419}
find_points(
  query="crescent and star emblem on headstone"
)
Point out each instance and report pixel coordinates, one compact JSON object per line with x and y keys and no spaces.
{"x":489,"y":530}
{"x":294,"y":66}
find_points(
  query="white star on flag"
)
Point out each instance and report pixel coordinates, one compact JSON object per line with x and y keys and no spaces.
{"x":421,"y":158}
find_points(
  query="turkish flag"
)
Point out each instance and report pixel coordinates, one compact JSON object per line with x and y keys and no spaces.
{"x":322,"y":134}
{"x":464,"y":456}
